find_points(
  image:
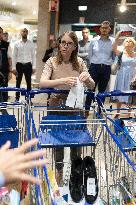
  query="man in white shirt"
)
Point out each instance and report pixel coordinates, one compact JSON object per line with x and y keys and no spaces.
{"x":24,"y":60}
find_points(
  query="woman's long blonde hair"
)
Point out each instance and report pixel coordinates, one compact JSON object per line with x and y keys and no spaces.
{"x":130,"y":39}
{"x":74,"y":54}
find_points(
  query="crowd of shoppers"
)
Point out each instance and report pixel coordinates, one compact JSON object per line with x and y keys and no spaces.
{"x":97,"y":53}
{"x":101,"y":51}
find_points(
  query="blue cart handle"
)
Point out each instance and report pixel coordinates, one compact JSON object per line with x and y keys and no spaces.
{"x":116,"y":93}
{"x":2,"y":89}
{"x":47,"y":90}
{"x":52,"y":90}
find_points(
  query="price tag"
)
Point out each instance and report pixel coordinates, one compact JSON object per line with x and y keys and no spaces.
{"x":91,"y":187}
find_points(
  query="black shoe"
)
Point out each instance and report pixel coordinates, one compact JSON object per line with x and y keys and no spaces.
{"x":76,"y":180}
{"x":90,"y":180}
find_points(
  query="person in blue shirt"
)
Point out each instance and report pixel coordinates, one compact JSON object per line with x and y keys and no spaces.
{"x":100,"y":57}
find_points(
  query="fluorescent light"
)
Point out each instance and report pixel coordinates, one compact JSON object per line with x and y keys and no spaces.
{"x":82,"y":8}
{"x":122,"y":8}
{"x":14,"y":3}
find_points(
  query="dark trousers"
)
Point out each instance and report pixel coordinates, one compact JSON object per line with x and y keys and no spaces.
{"x":25,"y":69}
{"x":5,"y":84}
{"x":100,"y":73}
{"x":3,"y":98}
{"x":59,"y":156}
{"x":3,"y":95}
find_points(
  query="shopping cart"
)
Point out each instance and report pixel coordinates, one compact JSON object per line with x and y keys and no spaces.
{"x":12,"y":119}
{"x":119,"y":149}
{"x":54,"y":129}
{"x":12,"y":128}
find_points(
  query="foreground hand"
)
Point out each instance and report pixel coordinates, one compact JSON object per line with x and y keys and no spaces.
{"x":84,"y":76}
{"x":14,"y":163}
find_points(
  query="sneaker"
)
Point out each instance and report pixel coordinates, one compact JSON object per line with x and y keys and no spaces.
{"x":90,"y":180}
{"x":76,"y":180}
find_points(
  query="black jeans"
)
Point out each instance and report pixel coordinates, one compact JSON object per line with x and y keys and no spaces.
{"x":59,"y":156}
{"x":25,"y":69}
{"x":100,"y":73}
{"x":3,"y":95}
{"x":5,"y":84}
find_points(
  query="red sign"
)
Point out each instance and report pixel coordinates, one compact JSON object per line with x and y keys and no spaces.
{"x":53,"y":5}
{"x":97,"y":29}
{"x":126,"y":33}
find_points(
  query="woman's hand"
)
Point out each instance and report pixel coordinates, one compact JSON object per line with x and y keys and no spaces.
{"x":70,"y":81}
{"x":118,"y":35}
{"x":84,"y":76}
{"x":115,"y":44}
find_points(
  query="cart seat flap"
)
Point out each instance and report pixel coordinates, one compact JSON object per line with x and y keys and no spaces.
{"x":8,"y":121}
{"x":71,"y":122}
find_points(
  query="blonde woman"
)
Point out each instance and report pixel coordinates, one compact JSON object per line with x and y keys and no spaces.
{"x":127,"y":71}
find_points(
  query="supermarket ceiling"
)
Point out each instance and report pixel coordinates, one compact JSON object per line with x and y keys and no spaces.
{"x":26,"y":11}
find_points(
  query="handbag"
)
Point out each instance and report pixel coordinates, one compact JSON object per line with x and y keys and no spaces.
{"x":116,"y":64}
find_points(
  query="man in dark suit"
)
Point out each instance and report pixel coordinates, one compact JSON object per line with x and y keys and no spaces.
{"x":50,"y":51}
{"x":5,"y":64}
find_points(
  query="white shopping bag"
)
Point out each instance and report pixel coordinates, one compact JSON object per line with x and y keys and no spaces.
{"x":75,"y":98}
